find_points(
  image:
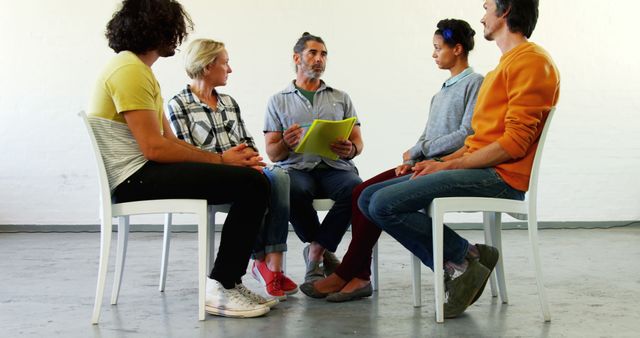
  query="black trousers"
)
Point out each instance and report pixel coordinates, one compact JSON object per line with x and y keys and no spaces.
{"x":246,"y":189}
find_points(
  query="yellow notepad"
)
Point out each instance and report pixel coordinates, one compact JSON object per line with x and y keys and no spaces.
{"x":322,"y":133}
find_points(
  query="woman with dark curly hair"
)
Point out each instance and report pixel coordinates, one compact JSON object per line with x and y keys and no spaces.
{"x":448,"y":125}
{"x":145,"y":160}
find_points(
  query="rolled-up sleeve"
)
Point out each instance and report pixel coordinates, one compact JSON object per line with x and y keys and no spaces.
{"x":272,"y":120}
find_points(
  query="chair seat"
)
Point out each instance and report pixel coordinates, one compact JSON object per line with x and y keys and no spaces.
{"x":155,"y":207}
{"x":475,"y":204}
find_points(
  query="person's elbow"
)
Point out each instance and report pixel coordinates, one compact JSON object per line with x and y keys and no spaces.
{"x":275,"y":156}
{"x":152,"y":151}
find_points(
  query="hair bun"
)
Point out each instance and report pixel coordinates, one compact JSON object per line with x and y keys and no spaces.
{"x":306,"y":34}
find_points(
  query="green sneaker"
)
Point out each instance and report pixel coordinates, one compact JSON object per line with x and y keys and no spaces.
{"x":463,"y":289}
{"x":489,"y":258}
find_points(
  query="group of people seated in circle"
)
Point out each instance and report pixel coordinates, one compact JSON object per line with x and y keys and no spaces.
{"x":479,"y":140}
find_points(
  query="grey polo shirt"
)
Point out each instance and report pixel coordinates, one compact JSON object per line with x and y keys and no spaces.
{"x":289,"y":106}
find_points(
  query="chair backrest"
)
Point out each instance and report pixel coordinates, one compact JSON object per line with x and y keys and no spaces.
{"x":533,"y":179}
{"x":105,"y":191}
{"x":323,"y":204}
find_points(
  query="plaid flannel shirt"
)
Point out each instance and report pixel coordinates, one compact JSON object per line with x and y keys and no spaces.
{"x":196,"y":123}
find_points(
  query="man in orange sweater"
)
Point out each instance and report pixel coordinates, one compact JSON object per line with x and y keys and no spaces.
{"x":513,"y":103}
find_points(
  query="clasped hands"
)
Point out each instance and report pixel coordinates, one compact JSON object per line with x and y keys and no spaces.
{"x":244,"y":156}
{"x":421,"y":168}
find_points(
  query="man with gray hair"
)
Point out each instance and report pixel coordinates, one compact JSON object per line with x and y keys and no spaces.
{"x":305,"y":99}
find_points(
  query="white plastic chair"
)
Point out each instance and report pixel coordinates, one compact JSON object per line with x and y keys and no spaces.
{"x":492,"y":209}
{"x":325,"y":204}
{"x":109,"y":210}
{"x":166,"y":241}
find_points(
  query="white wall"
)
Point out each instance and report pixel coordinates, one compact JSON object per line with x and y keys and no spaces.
{"x":380,"y":53}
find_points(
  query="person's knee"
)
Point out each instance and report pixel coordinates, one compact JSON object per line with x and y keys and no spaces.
{"x":346,"y":189}
{"x":257,"y":183}
{"x":380,"y":209}
{"x":357,"y":191}
{"x":300,"y":191}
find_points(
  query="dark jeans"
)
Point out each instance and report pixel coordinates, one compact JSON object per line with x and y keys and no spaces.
{"x":395,"y":206}
{"x":321,"y":182}
{"x":246,"y":189}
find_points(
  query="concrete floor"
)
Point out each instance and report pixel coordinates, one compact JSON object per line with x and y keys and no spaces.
{"x":48,"y":283}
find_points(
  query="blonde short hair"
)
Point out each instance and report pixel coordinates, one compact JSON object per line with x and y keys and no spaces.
{"x":199,"y":54}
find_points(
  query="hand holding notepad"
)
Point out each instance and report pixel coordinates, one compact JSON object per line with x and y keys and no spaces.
{"x":322,"y":133}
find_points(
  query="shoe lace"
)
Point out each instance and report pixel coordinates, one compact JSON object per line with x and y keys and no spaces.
{"x":244,"y":291}
{"x":237,"y":296}
{"x":277,"y":280}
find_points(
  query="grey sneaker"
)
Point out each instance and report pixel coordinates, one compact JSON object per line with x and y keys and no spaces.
{"x":330,"y":262}
{"x":462,"y":290}
{"x":314,"y":271}
{"x":489,"y":258}
{"x":308,"y":289}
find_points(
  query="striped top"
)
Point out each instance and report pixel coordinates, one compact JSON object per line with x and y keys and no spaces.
{"x":125,"y":84}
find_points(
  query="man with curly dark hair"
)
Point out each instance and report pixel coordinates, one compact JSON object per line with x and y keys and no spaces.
{"x":145,"y":160}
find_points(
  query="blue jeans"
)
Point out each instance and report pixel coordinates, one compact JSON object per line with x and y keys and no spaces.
{"x":275,"y":228}
{"x":395,"y":206}
{"x":323,"y":182}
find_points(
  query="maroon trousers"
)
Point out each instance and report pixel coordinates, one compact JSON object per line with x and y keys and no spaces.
{"x":364,"y":235}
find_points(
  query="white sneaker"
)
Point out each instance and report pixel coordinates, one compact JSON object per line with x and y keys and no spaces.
{"x":256,"y":298}
{"x":230,"y":302}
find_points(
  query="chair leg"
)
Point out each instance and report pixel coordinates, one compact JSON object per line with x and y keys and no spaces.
{"x":166,"y":245}
{"x":105,"y":246}
{"x":416,"y":271}
{"x":500,"y":271}
{"x":488,"y":240}
{"x":203,"y":245}
{"x":374,"y":268}
{"x":535,"y":253}
{"x":438,"y":263}
{"x":211,"y":251}
{"x":121,"y":254}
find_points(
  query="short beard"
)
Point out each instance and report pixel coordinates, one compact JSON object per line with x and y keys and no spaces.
{"x":313,"y":74}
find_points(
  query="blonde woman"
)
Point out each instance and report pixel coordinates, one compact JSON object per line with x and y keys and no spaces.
{"x":211,"y":121}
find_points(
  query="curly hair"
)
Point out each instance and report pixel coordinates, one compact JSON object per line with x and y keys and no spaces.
{"x":140,"y":26}
{"x":454,"y":32}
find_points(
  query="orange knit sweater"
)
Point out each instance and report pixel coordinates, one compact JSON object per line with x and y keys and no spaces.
{"x":513,"y":103}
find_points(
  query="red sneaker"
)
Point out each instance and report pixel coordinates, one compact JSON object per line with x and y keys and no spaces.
{"x":271,"y":281}
{"x":288,"y":286}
